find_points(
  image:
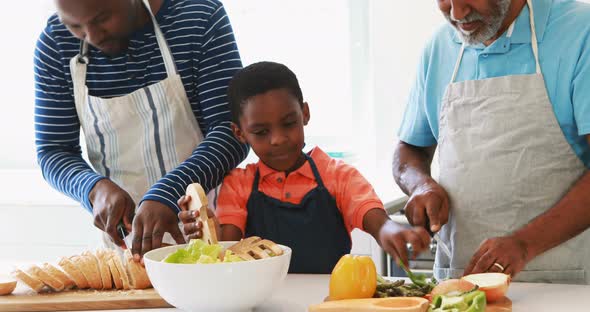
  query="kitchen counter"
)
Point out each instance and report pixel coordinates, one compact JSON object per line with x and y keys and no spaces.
{"x":300,"y":291}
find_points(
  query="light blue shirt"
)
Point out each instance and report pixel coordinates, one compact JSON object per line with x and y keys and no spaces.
{"x":563,"y":32}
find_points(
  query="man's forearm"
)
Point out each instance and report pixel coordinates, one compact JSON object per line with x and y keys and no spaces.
{"x":411,"y":166}
{"x":568,"y":218}
{"x":219,"y":153}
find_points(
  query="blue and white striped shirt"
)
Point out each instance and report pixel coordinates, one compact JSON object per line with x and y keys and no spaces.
{"x":201,"y":39}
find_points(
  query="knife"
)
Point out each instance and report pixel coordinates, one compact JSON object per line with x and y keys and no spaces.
{"x":124,"y":235}
{"x":439,"y":241}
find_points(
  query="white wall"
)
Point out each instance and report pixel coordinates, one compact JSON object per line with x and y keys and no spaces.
{"x":398,"y":34}
{"x":19,"y":28}
{"x":369,"y":63}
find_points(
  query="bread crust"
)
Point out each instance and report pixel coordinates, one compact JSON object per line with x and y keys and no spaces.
{"x":7,"y":285}
{"x":59,"y":275}
{"x":74,"y":273}
{"x":89,"y":268}
{"x":138,"y":278}
{"x":103,"y":267}
{"x":32,"y":282}
{"x":47,"y":279}
{"x":114,"y":256}
{"x":254,"y":247}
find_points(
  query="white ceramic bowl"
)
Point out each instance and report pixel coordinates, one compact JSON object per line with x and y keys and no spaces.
{"x":235,"y":286}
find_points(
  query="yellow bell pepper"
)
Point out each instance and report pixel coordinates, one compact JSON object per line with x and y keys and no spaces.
{"x":353,"y":277}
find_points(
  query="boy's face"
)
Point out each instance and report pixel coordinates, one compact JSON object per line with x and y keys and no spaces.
{"x":272,"y":123}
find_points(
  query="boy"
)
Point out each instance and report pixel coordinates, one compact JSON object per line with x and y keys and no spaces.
{"x":309,"y":202}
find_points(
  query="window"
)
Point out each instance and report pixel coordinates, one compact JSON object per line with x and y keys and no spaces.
{"x":355,"y":61}
{"x":313,"y":38}
{"x":19,"y":30}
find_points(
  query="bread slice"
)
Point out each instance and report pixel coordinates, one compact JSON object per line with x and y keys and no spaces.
{"x":254,"y":247}
{"x":103,"y":267}
{"x":117,"y":281}
{"x":116,"y":260}
{"x":89,"y":267}
{"x":200,"y":202}
{"x":7,"y":285}
{"x":47,"y":279}
{"x":59,"y":275}
{"x":74,"y":273}
{"x":31,"y":281}
{"x":138,"y":278}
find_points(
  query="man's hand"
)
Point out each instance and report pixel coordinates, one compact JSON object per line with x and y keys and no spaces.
{"x":110,"y":205}
{"x":153,"y":219}
{"x":508,"y":252}
{"x":429,"y":199}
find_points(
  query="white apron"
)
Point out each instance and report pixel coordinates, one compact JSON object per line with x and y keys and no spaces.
{"x":135,"y":139}
{"x":503,"y":161}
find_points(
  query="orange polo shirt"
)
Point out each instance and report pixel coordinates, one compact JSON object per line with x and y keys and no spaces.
{"x":353,"y":194}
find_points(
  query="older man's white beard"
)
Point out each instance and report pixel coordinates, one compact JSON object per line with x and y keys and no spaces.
{"x":490,"y":27}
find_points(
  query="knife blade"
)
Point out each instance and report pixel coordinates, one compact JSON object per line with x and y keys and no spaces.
{"x":438,"y":239}
{"x":124,"y":235}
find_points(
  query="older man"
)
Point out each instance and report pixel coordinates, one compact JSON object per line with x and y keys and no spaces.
{"x":146,"y":82}
{"x":504,"y":93}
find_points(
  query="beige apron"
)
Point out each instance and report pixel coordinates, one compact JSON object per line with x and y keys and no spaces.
{"x":504,"y":160}
{"x":135,"y":139}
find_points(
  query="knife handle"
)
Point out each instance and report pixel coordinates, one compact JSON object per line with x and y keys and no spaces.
{"x":121,"y":230}
{"x":427,"y":226}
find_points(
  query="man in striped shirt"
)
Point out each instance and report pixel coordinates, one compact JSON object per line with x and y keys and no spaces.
{"x":120,"y":75}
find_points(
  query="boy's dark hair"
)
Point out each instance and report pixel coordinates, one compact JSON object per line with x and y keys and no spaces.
{"x":259,"y":78}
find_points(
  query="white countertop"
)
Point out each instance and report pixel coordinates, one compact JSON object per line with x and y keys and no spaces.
{"x":300,"y":291}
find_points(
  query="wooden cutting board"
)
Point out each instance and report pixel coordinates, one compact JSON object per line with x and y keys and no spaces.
{"x":23,"y":300}
{"x":382,"y":305}
{"x":502,"y":305}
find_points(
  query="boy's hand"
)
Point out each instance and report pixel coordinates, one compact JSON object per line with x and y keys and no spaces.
{"x":192,"y":225}
{"x":394,"y":239}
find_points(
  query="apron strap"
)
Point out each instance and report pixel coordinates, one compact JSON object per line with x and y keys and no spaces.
{"x":256,"y":179}
{"x":315,"y":171}
{"x":82,"y":60}
{"x":78,"y":68}
{"x":458,"y":63}
{"x":166,"y":54}
{"x":534,"y":43}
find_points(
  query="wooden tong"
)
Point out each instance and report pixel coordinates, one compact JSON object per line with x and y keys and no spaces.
{"x":200,"y":202}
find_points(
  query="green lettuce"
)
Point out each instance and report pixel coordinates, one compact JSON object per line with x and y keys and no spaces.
{"x":197,"y":251}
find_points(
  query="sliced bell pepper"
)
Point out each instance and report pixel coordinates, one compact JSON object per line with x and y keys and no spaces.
{"x":472,"y":301}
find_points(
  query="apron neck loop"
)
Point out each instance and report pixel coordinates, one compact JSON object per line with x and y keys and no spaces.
{"x":458,"y":63}
{"x":164,"y":48}
{"x":314,"y":169}
{"x":256,"y":179}
{"x":82,"y":57}
{"x":171,"y":70}
{"x":534,"y":43}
